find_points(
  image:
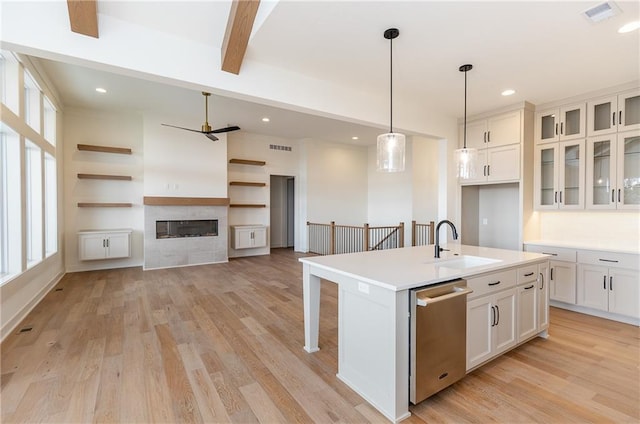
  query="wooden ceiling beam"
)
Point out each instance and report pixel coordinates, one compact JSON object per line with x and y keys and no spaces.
{"x":236,"y":37}
{"x":83,"y":16}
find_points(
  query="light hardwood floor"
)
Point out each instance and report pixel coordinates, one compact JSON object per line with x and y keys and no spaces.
{"x":223,"y":343}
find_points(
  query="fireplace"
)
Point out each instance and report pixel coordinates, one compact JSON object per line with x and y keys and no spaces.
{"x":186,"y":228}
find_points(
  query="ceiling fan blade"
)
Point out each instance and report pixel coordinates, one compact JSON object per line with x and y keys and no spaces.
{"x":212,"y":137}
{"x":182,"y":128}
{"x":224,"y":130}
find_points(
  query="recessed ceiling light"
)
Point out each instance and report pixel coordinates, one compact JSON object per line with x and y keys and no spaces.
{"x":101,"y":90}
{"x":354,"y":137}
{"x":508,"y":92}
{"x":265,"y":119}
{"x":631,"y":26}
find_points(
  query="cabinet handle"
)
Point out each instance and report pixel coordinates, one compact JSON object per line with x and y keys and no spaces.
{"x":613,"y":195}
{"x":103,"y":243}
{"x":528,"y":274}
{"x":620,"y":118}
{"x":488,"y":136}
{"x":493,"y":316}
{"x":488,"y":170}
{"x":611,"y":283}
{"x":542,"y":280}
{"x":555,"y":197}
{"x":551,"y":274}
{"x":619,"y":190}
{"x":604,"y":282}
{"x":561,"y":128}
{"x":107,"y":242}
{"x":552,"y":254}
{"x":556,"y":128}
{"x":484,"y":136}
{"x":530,"y":287}
{"x":495,"y":284}
{"x":608,"y":260}
{"x":560,"y":196}
{"x":613,"y":119}
{"x":498,"y":314}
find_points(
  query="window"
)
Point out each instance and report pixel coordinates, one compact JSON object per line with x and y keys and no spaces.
{"x":50,"y":205}
{"x":33,"y":174}
{"x":49,"y":121}
{"x":9,"y":70}
{"x":31,"y":102}
{"x":10,"y":216}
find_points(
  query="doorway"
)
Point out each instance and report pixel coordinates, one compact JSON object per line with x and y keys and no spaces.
{"x":282,"y":211}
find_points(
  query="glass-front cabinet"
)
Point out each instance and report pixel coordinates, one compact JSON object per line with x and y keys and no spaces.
{"x":559,"y":175}
{"x":613,"y":171}
{"x":614,"y":114}
{"x":565,"y":123}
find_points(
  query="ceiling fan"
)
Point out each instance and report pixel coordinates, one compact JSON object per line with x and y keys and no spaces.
{"x":206,"y":128}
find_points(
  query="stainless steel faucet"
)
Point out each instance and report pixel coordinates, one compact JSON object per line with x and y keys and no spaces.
{"x":453,"y":230}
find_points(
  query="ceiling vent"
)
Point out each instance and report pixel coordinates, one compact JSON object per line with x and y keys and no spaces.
{"x":601,"y":11}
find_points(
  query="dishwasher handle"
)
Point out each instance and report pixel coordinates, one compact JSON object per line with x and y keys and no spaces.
{"x":458,"y":291}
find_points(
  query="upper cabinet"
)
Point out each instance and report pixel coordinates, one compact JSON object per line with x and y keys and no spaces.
{"x":613,"y":171}
{"x":612,"y":114}
{"x":499,"y":130}
{"x":558,"y":124}
{"x":559,"y":175}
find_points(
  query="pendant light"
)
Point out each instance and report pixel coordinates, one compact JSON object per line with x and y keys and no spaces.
{"x":465,"y":158}
{"x":391,"y":145}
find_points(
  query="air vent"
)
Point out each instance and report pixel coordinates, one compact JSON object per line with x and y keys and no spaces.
{"x":278,"y":147}
{"x":601,"y":11}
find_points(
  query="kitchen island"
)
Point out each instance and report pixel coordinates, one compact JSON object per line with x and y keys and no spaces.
{"x":373,"y":309}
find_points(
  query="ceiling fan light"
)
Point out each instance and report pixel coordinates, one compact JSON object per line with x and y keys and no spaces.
{"x":391,"y":152}
{"x":465,"y":160}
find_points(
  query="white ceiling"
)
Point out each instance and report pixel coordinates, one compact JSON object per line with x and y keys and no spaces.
{"x":544,"y":50}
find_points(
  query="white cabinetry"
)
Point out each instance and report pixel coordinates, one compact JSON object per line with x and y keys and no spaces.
{"x":562,"y":271}
{"x":609,"y":282}
{"x":497,"y":139}
{"x":104,"y":244}
{"x":491,"y":316}
{"x":613,"y":171}
{"x":248,"y":236}
{"x":533,"y":300}
{"x":614,"y":113}
{"x":557,"y":124}
{"x":559,"y":175}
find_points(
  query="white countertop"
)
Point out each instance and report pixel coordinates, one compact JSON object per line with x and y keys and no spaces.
{"x":410,"y":267}
{"x":620,"y":246}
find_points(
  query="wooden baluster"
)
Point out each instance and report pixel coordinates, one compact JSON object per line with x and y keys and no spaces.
{"x":332,"y":238}
{"x":431,"y":232}
{"x":401,"y":236}
{"x":365,"y":238}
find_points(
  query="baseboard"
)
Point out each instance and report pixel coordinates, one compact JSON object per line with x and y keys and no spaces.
{"x":15,"y":320}
{"x":595,"y":312}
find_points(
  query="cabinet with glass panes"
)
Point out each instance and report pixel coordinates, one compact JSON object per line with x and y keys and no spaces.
{"x":559,"y":175}
{"x":615,"y":113}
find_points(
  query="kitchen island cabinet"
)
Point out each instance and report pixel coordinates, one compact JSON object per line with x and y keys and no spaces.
{"x":374,"y":306}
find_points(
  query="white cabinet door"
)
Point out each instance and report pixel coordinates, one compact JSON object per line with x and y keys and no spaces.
{"x":504,"y":332}
{"x":243,"y":238}
{"x":118,"y":245}
{"x":571,"y":164}
{"x":543,"y":296}
{"x":629,"y":111}
{"x":480,"y":319}
{"x":628,"y":170}
{"x":624,"y":292}
{"x":602,"y":116}
{"x":92,"y":246}
{"x":572,"y":121}
{"x":260,"y":237}
{"x":563,"y":281}
{"x":503,"y":163}
{"x":601,"y":172}
{"x":593,"y":289}
{"x":527,"y":310}
{"x":547,"y":126}
{"x":476,"y":134}
{"x":503,"y":129}
{"x":545,"y":183}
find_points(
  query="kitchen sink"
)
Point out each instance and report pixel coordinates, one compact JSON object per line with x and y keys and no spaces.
{"x":466,"y":261}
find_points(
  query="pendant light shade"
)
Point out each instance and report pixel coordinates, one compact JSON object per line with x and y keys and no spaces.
{"x":391,"y":146}
{"x":465,"y":158}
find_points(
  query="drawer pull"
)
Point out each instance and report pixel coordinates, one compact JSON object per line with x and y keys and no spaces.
{"x":529,"y":274}
{"x":494,"y":284}
{"x":604,"y":282}
{"x":530,"y":287}
{"x":608,"y":260}
{"x":552,"y":254}
{"x":611,"y":283}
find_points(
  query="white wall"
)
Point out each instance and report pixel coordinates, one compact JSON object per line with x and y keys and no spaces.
{"x":104,"y":129}
{"x":426,"y":170}
{"x":608,"y":228}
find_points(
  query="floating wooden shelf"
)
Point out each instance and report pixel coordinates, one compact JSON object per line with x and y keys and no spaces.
{"x":185,"y":201}
{"x":104,"y":205}
{"x":247,"y":183}
{"x":104,"y":177}
{"x":105,"y":149}
{"x":246,"y":205}
{"x":248,"y":162}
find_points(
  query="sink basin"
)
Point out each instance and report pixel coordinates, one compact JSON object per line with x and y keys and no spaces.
{"x":466,"y":261}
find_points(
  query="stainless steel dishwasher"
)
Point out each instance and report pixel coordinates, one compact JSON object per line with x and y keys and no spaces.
{"x":438,"y":338}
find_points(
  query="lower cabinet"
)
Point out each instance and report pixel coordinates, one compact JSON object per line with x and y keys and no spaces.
{"x":609,"y":289}
{"x":533,"y":300}
{"x":563,"y":281}
{"x":108,"y":244}
{"x":248,"y":236}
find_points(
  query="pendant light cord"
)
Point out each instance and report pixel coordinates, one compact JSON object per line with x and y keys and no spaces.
{"x":465,"y":109}
{"x":391,"y":84}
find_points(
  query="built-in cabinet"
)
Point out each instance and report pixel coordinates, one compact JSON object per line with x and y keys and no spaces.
{"x":497,"y":140}
{"x":533,"y":300}
{"x":558,"y":124}
{"x":614,"y":113}
{"x":559,"y":175}
{"x":248,"y":236}
{"x":104,"y":244}
{"x":613,"y":171}
{"x":594,"y":280}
